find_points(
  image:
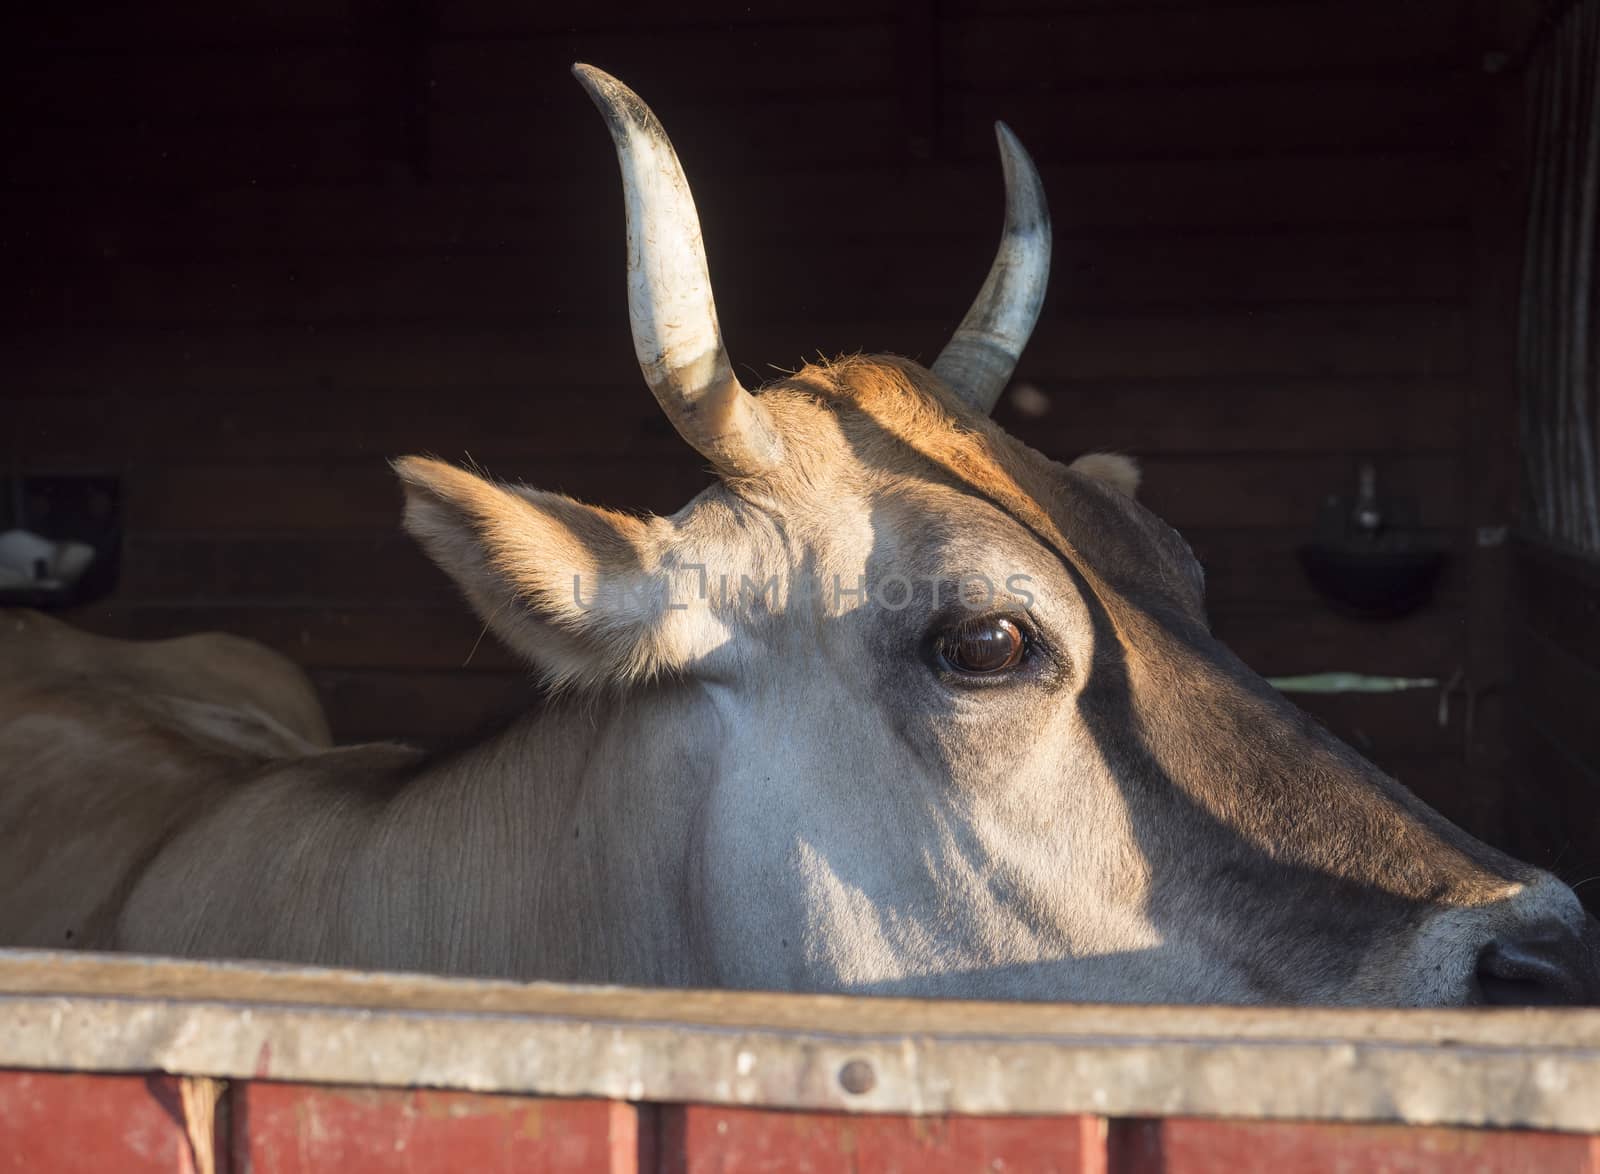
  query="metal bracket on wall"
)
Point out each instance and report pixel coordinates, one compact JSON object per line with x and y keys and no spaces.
{"x":1461,"y":683}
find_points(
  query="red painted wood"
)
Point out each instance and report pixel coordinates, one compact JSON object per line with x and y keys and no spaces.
{"x":299,"y":1129}
{"x":77,"y":1122}
{"x":704,"y":1139}
{"x":1191,"y":1146}
{"x":59,"y":1122}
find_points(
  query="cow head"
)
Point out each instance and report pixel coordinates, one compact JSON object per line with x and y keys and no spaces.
{"x":959,"y":725}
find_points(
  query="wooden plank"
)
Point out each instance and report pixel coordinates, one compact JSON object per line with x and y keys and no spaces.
{"x":1255,"y":194}
{"x":1026,"y":7}
{"x":238,"y":499}
{"x":1188,"y":1146}
{"x":310,"y":1129}
{"x":985,"y":53}
{"x":1555,"y":660}
{"x":1396,"y":340}
{"x":917,"y":277}
{"x":1558,"y":595}
{"x":1161,"y":416}
{"x":59,"y":88}
{"x":741,"y":206}
{"x":703,"y":1139}
{"x":365,"y":429}
{"x":170,"y":153}
{"x":1553,"y":792}
{"x":918,"y":78}
{"x":1285,"y":490}
{"x":1423,"y":339}
{"x":504,"y":17}
{"x":522,"y":101}
{"x":517,"y":142}
{"x":765,"y":1050}
{"x":1239,"y":491}
{"x":1260,"y":565}
{"x":347,"y":569}
{"x":292,"y":499}
{"x":1245,"y":117}
{"x":1561,"y":689}
{"x":166,"y":23}
{"x":68,"y":86}
{"x":50,"y":432}
{"x":1496,"y":262}
{"x":1260,"y":268}
{"x":1249,"y":414}
{"x":552,"y":436}
{"x":63,"y":1123}
{"x":1290,"y":641}
{"x":992,"y":51}
{"x":368,"y":637}
{"x":188,"y":23}
{"x":1383,"y":418}
{"x":754,"y":61}
{"x":1556,"y":1035}
{"x":1550,"y":805}
{"x":1392,"y":729}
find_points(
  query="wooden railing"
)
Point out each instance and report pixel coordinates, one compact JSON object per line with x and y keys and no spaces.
{"x":118,"y":1063}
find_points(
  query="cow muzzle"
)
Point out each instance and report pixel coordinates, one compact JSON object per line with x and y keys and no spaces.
{"x":1542,"y":964}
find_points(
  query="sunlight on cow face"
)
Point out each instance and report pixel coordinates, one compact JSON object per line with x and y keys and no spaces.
{"x":906,"y":797}
{"x":948,"y":715}
{"x":897,"y":782}
{"x":962,"y":728}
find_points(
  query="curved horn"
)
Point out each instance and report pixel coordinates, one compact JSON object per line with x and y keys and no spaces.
{"x":675,"y":332}
{"x":981,"y":355}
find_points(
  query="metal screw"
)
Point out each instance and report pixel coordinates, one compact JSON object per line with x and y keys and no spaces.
{"x":857,"y":1077}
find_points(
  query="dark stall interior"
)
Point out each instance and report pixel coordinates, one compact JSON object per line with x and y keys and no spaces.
{"x":254,"y":250}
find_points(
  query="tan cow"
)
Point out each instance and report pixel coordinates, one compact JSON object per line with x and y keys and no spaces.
{"x":898,"y":704}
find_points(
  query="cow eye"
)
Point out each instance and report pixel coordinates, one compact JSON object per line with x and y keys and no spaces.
{"x":983,"y":645}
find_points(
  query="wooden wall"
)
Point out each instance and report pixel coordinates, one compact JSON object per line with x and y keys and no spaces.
{"x":253,"y":250}
{"x":1555,"y":694}
{"x":1555,"y":684}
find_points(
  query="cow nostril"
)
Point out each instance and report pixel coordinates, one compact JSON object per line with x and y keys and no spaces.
{"x":1532,"y":972}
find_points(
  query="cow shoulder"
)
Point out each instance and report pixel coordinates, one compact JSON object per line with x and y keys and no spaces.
{"x":226,"y":692}
{"x":109,"y":747}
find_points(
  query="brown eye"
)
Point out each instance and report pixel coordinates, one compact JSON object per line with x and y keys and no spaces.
{"x":987,"y":644}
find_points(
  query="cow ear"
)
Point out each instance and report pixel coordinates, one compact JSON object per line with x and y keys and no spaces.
{"x":573,"y":588}
{"x":1111,"y":468}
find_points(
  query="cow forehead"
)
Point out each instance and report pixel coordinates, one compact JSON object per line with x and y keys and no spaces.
{"x":888,"y":429}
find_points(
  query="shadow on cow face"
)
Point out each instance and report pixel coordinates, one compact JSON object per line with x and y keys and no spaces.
{"x":1130,"y":813}
{"x":961,"y":726}
{"x":968,"y":733}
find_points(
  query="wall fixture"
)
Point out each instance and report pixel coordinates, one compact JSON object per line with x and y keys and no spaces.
{"x":60,"y":540}
{"x":1367,"y":557}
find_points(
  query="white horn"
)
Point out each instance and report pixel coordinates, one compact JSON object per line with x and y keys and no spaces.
{"x":982,"y":354}
{"x":675,"y":333}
